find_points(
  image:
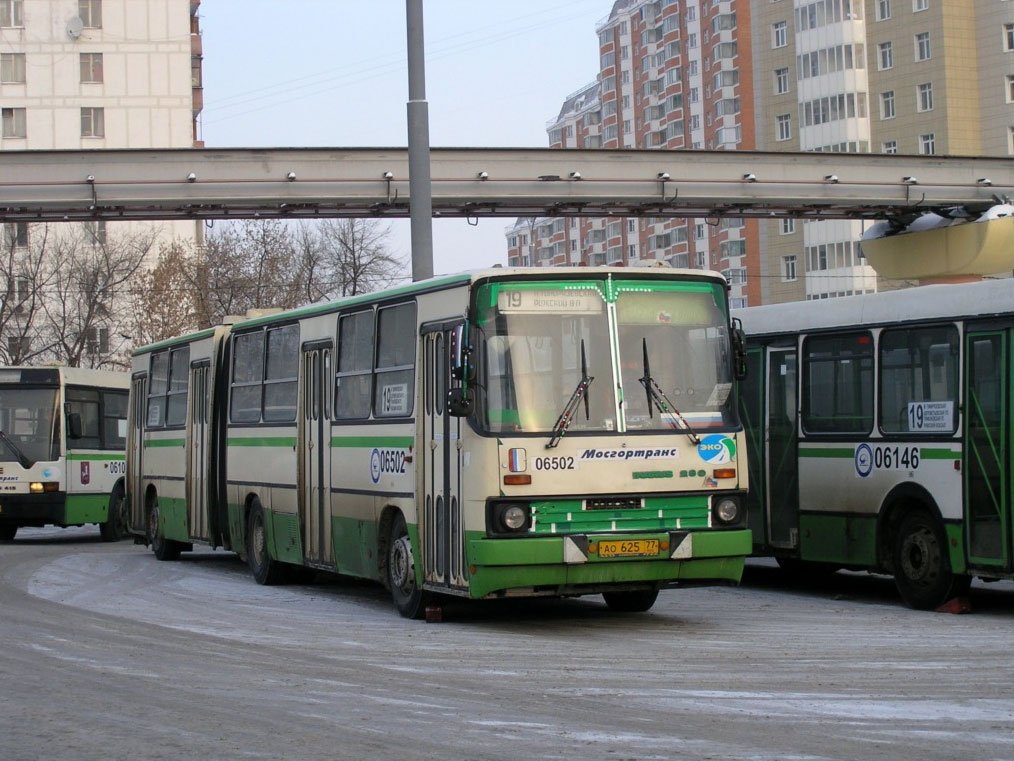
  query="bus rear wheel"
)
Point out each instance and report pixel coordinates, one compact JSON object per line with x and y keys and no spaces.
{"x":922,"y":569}
{"x":7,"y":533}
{"x":115,"y":527}
{"x":408,"y":598}
{"x":164,"y":549}
{"x":265,"y":570}
{"x":630,"y":602}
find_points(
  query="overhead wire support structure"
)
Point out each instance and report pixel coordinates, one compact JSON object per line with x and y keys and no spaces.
{"x":299,"y":183}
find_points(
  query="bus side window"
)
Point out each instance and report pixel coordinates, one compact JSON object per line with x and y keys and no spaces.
{"x":247,"y":369}
{"x":395,"y":371}
{"x":85,"y":403}
{"x":280,"y":381}
{"x":114,"y":419}
{"x":355,"y":366}
{"x":176,"y":405}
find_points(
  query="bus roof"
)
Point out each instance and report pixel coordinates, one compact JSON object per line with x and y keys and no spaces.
{"x":464,"y":278}
{"x":927,"y":302}
{"x":440,"y":283}
{"x":76,"y":376}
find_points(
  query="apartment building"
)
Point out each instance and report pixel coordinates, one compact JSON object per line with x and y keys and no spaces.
{"x":892,"y":76}
{"x":98,"y":74}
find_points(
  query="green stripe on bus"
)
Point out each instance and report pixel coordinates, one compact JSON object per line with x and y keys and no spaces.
{"x":939,"y":454}
{"x":836,"y":452}
{"x":164,"y":443}
{"x":81,"y":456}
{"x":262,"y":441}
{"x":372,"y":441}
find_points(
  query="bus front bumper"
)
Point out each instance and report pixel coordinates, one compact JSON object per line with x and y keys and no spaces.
{"x":32,"y":509}
{"x":587,"y":563}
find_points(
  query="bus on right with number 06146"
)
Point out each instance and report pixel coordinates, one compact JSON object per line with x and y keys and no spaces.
{"x":879,"y":430}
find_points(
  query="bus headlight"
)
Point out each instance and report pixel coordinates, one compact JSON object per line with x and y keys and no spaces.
{"x":726,"y":510}
{"x":509,"y":518}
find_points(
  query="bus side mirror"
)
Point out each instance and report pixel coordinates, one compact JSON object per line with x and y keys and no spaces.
{"x":460,"y":402}
{"x":738,"y":349}
{"x":461,"y":367}
{"x":74,"y":429}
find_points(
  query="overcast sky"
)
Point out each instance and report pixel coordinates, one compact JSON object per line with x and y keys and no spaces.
{"x":332,"y":73}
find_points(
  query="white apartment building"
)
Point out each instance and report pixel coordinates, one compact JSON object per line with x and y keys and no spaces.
{"x":99,"y":74}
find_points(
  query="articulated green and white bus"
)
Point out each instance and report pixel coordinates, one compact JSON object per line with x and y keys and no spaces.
{"x":503,"y":433}
{"x":880,"y":435}
{"x":62,"y":437}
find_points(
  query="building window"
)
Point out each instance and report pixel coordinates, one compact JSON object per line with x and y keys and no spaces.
{"x":91,"y":67}
{"x":922,"y":46}
{"x":788,"y":268}
{"x":1010,"y":88}
{"x":919,"y":5}
{"x":887,"y":105}
{"x":90,"y":12}
{"x":14,"y":122}
{"x":883,"y":9}
{"x":607,"y":60}
{"x":784,"y":127}
{"x":15,"y":234}
{"x":1008,"y":37}
{"x":11,"y":13}
{"x":788,"y":226}
{"x":1010,"y":140}
{"x":924,"y":98}
{"x":97,"y":231}
{"x":927,"y":144}
{"x":889,"y":146}
{"x":779,"y":35}
{"x":781,"y":81}
{"x":93,"y":122}
{"x":886,"y":57}
{"x":12,"y":68}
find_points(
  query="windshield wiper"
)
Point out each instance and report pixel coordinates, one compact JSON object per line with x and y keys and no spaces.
{"x":580,"y":392}
{"x":16,"y":451}
{"x":657,"y":398}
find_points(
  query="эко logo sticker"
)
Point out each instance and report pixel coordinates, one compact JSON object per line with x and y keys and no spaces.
{"x":717,"y":449}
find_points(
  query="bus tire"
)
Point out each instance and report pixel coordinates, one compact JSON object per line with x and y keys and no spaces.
{"x":115,"y":527}
{"x":264,"y":568}
{"x":922,"y":569}
{"x":7,"y":533}
{"x":636,"y":601}
{"x":163,"y":549}
{"x":408,"y":598}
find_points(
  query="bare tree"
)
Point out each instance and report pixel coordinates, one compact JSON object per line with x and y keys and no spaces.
{"x":163,"y":300}
{"x":25,"y":278}
{"x":354,"y":258}
{"x":88,"y":297}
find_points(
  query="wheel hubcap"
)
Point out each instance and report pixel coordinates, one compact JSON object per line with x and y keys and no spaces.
{"x":402,"y":564}
{"x":920,"y":557}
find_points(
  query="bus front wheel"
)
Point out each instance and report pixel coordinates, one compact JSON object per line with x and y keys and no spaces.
{"x":408,"y":598}
{"x":922,"y":569}
{"x":265,"y":570}
{"x":630,"y":602}
{"x":115,"y":526}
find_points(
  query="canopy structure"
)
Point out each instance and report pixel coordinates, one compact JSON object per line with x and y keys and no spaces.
{"x":483,"y":182}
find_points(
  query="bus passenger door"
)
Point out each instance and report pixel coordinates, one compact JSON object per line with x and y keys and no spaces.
{"x":441,"y":530}
{"x":987,"y":451}
{"x":135,"y":450}
{"x":781,"y":445}
{"x":315,"y":458}
{"x":197,"y":450}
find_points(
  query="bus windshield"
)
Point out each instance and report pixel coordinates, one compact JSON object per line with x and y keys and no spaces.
{"x":27,"y":418}
{"x":539,"y":341}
